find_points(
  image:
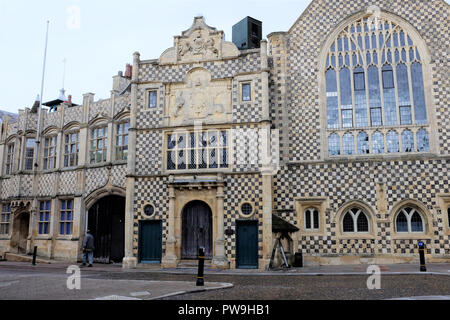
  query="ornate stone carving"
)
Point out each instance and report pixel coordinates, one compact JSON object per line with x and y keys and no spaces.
{"x":199,"y":98}
{"x":199,"y":43}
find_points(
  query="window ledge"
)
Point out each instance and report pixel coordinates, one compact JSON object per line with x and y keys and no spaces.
{"x":411,"y":236}
{"x":313,"y":233}
{"x":66,"y":238}
{"x":44,"y":237}
{"x":5,"y":237}
{"x":358,"y":236}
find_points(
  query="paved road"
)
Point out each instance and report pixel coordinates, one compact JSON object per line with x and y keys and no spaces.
{"x":48,"y":284}
{"x":50,"y":281}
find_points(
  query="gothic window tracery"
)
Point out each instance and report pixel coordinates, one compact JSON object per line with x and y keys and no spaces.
{"x":375,"y":93}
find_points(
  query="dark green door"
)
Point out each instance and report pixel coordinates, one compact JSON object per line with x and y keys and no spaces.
{"x":150,"y":241}
{"x":247,"y":244}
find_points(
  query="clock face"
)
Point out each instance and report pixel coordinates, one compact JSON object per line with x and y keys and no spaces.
{"x":149,"y":210}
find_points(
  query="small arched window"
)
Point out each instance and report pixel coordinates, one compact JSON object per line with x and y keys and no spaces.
{"x":409,"y":219}
{"x":374,"y":84}
{"x":312,"y":219}
{"x":355,"y":220}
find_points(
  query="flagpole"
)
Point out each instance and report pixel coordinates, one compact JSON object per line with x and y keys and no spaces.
{"x":38,"y":135}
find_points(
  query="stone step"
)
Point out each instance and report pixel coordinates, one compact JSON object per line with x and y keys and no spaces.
{"x":193,"y":264}
{"x":23,"y":258}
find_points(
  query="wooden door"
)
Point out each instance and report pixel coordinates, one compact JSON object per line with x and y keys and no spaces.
{"x":247,"y":244}
{"x":197,"y":230}
{"x":107,"y":224}
{"x":150,"y":241}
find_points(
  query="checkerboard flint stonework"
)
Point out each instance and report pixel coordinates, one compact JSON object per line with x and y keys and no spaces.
{"x":294,"y":84}
{"x":295,"y":109}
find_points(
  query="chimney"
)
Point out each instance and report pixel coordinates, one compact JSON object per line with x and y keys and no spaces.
{"x":69,"y":101}
{"x":128,"y":71}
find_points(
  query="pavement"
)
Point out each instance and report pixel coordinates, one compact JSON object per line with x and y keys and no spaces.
{"x":22,"y":281}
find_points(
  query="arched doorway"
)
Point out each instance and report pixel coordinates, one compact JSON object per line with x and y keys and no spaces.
{"x":197,"y":230}
{"x":20,"y":231}
{"x":106,"y":220}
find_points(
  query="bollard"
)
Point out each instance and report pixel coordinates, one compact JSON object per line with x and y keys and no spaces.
{"x":34,"y":255}
{"x":201,"y":267}
{"x":423,"y":268}
{"x":298,"y":262}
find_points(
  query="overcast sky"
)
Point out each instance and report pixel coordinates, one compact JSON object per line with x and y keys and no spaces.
{"x":103,"y":39}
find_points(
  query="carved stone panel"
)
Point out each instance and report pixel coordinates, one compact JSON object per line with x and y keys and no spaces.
{"x":199,"y":43}
{"x":199,"y":98}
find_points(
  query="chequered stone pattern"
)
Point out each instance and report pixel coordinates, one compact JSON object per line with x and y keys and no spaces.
{"x":122,"y":103}
{"x":52,"y":119}
{"x":73,"y":114}
{"x":244,"y":112}
{"x":22,"y":121}
{"x":241,"y":188}
{"x":410,"y":247}
{"x":277,"y":91}
{"x":118,"y":174}
{"x":46,"y":184}
{"x":68,"y":183}
{"x":304,"y":44}
{"x":95,"y":179}
{"x":441,"y":242}
{"x":31,"y":122}
{"x":26,"y":185}
{"x":421,"y":180}
{"x":12,"y":129}
{"x":151,"y":190}
{"x":150,"y":117}
{"x":10,"y":187}
{"x":149,"y":152}
{"x":246,"y":142}
{"x":102,"y":107}
{"x":219,"y":69}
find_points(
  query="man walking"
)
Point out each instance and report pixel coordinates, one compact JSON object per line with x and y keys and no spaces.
{"x":88,"y":248}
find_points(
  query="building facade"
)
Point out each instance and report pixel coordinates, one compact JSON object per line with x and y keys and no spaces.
{"x":339,"y":126}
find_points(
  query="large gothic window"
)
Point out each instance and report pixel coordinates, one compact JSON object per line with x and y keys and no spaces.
{"x":375,"y":91}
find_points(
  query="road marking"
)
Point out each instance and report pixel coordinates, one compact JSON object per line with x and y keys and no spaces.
{"x":115,"y":297}
{"x":424,"y":298}
{"x":140,"y":294}
{"x":7,"y":284}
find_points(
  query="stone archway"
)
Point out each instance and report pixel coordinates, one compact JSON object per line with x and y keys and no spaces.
{"x":20,"y":232}
{"x":197,"y":230}
{"x":106,"y":221}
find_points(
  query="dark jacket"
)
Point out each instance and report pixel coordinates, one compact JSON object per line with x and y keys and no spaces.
{"x":88,"y":242}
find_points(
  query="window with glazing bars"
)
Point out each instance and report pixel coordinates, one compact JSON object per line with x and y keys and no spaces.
{"x":5,"y":218}
{"x":29,"y":154}
{"x":98,"y":145}
{"x":122,"y":141}
{"x":49,"y":153}
{"x":374,"y":78}
{"x":152,"y":99}
{"x":198,"y":150}
{"x":9,"y":159}
{"x":66,"y":217}
{"x":71,"y":149}
{"x":44,"y":216}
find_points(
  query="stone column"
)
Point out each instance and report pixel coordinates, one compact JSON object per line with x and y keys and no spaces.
{"x":266,"y":176}
{"x":130,"y":261}
{"x":265,"y":82}
{"x":220,"y":260}
{"x":170,"y":260}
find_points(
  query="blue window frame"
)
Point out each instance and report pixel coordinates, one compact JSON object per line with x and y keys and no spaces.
{"x":66,"y":217}
{"x":44,"y":217}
